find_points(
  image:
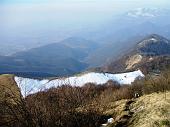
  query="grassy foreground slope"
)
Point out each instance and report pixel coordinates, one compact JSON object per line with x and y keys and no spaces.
{"x":9,"y":98}
{"x":13,"y":111}
{"x":151,"y":110}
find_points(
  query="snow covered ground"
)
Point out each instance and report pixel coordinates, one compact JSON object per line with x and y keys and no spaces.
{"x":30,"y":86}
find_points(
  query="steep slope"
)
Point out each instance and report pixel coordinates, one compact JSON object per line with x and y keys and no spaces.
{"x":151,"y":110}
{"x":149,"y":54}
{"x":11,"y":108}
{"x":147,"y":111}
{"x":109,"y":51}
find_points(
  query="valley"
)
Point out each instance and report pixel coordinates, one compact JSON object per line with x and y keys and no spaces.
{"x":82,"y":49}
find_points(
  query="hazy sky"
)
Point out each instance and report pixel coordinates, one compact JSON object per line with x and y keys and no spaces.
{"x":57,"y":14}
{"x":74,"y":11}
{"x":95,"y":2}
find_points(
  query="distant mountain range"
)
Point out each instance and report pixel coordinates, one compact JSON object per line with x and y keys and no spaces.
{"x":70,"y":57}
{"x":96,"y":47}
{"x":126,"y":30}
{"x":136,"y":20}
{"x":57,"y":59}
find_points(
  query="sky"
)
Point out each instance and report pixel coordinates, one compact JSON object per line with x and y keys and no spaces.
{"x":65,"y":14}
{"x":97,"y":2}
{"x":73,"y":10}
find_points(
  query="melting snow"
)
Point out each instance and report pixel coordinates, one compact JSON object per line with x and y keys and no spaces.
{"x":30,"y":86}
{"x":143,"y":12}
{"x":153,"y":39}
{"x":110,"y":120}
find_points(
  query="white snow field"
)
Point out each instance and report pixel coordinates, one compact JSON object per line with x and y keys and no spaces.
{"x":30,"y":86}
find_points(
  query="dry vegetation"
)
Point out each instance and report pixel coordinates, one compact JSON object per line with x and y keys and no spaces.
{"x":152,"y":110}
{"x":87,"y":106}
{"x":13,"y":110}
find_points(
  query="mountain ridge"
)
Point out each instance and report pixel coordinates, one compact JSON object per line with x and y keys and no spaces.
{"x":152,"y":49}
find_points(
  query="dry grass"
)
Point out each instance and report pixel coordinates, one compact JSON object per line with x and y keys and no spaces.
{"x":8,"y":96}
{"x":151,"y":111}
{"x":12,"y":107}
{"x":115,"y":109}
{"x":8,"y":85}
{"x":135,"y":59}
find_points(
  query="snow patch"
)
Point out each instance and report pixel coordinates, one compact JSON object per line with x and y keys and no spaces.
{"x":143,"y":12}
{"x":153,"y":39}
{"x":30,"y":86}
{"x":110,"y":120}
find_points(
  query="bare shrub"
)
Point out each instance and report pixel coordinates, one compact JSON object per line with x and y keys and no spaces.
{"x":57,"y":107}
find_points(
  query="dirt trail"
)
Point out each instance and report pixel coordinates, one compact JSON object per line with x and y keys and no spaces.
{"x":124,"y":119}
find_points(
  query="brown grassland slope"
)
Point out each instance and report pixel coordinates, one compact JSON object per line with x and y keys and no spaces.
{"x":151,"y":110}
{"x":13,"y":110}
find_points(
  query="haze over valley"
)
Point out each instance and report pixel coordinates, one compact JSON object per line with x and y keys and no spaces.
{"x":62,"y":47}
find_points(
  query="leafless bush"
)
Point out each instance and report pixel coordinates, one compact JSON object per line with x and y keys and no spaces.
{"x":58,"y":106}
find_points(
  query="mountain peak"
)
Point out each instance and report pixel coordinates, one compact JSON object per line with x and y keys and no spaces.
{"x":153,"y":38}
{"x":154,"y":44}
{"x":156,"y":36}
